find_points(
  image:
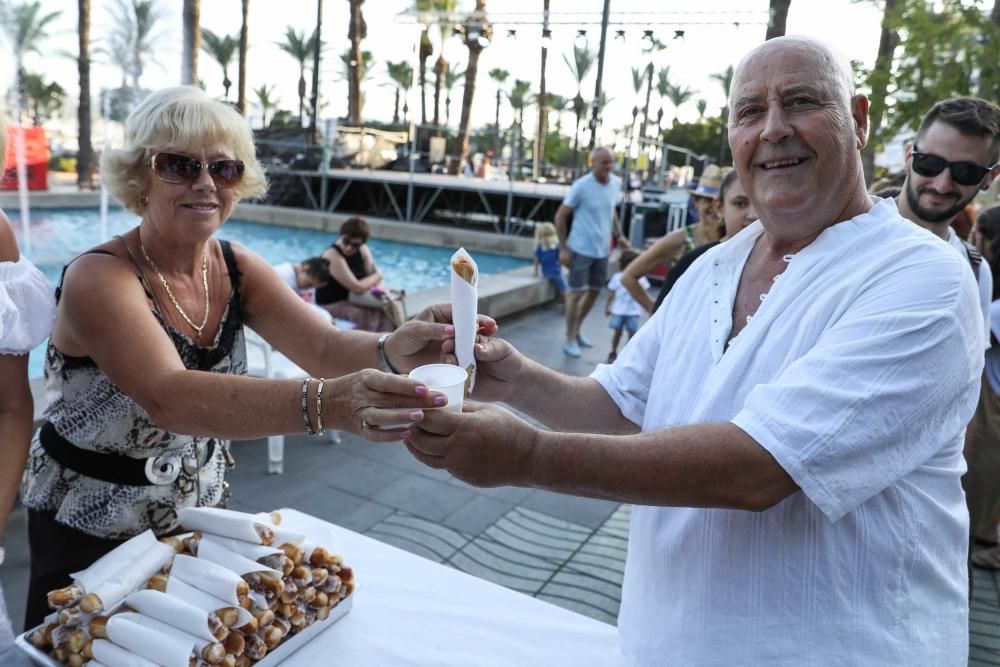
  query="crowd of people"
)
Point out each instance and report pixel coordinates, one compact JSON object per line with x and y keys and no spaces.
{"x":794,"y":424}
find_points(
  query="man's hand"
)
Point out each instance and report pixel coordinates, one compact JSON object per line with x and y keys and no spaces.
{"x":564,"y":256}
{"x":623,"y":242}
{"x":428,"y":338}
{"x":485,"y":445}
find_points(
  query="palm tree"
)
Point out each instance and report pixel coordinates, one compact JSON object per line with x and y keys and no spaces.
{"x":222,"y":49}
{"x":133,"y":35}
{"x":356,"y":32}
{"x":452,"y":75}
{"x":583,"y":60}
{"x":298,"y":47}
{"x":520,"y":97}
{"x":25,"y":28}
{"x":725,"y":79}
{"x":559,"y":104}
{"x":679,"y":95}
{"x":192,"y":42}
{"x":441,"y":66}
{"x":477,"y":33}
{"x":638,"y":78}
{"x":779,"y":15}
{"x":314,"y":99}
{"x":499,"y":77}
{"x":425,"y":52}
{"x":543,"y":99}
{"x":401,"y":74}
{"x":43,"y":97}
{"x":85,"y":155}
{"x":656,"y":47}
{"x":701,"y":105}
{"x":266,"y":102}
{"x":361,"y":68}
{"x":241,"y":87}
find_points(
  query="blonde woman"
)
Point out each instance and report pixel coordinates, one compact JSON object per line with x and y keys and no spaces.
{"x":145,"y":369}
{"x":27,"y":309}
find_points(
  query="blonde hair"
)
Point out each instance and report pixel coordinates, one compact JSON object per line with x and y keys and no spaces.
{"x":180,"y":118}
{"x":546,"y":236}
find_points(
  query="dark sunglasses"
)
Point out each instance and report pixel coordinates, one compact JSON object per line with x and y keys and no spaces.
{"x":177,"y":169}
{"x":354,"y":244}
{"x":963,"y":173}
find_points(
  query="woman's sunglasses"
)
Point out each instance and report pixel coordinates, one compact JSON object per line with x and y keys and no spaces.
{"x":963,"y":173}
{"x":354,"y":244}
{"x":178,"y":169}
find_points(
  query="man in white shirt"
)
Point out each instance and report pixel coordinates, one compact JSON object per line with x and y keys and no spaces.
{"x":789,"y":423}
{"x":954,"y":158}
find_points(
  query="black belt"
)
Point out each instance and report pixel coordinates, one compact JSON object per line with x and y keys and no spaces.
{"x":113,"y":468}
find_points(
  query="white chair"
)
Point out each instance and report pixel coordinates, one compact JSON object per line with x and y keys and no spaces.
{"x":266,"y":362}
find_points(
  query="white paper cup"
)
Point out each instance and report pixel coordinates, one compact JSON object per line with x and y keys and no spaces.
{"x":448,"y":379}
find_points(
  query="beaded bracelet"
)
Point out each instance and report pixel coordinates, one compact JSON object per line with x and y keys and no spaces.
{"x":319,"y":408}
{"x":305,"y":407}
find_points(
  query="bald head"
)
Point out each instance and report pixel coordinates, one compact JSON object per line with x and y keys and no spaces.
{"x":602,"y":160}
{"x":830,"y":62}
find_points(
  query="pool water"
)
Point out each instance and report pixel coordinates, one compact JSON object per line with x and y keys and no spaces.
{"x":59,"y":235}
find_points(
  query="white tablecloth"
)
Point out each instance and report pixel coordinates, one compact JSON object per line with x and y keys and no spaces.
{"x":411,"y":611}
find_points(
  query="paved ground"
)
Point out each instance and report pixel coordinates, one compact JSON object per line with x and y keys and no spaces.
{"x":569,"y":551}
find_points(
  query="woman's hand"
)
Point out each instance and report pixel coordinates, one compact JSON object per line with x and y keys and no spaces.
{"x":380,"y":407}
{"x":429,"y":338}
{"x":485,"y":445}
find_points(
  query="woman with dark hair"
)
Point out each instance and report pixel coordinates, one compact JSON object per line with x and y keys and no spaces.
{"x":982,"y":449}
{"x":353,"y":270}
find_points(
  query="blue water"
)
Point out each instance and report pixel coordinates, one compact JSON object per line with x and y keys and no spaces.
{"x":59,"y":235}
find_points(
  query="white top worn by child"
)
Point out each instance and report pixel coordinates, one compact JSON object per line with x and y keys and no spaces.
{"x":621,"y":306}
{"x":620,"y":302}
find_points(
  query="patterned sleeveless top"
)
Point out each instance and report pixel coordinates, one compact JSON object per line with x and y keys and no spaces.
{"x":89,"y":411}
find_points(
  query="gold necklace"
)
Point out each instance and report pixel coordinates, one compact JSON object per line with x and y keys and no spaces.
{"x":163,"y":281}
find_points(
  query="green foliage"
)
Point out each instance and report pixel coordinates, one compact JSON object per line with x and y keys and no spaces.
{"x":41,"y":97}
{"x":401,"y":74}
{"x":940,"y":54}
{"x":583,"y":60}
{"x":367,"y":61}
{"x":25,"y":26}
{"x":701,"y":137}
{"x":520,"y":96}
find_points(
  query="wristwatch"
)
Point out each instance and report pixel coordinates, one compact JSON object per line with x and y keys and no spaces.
{"x":383,"y":359}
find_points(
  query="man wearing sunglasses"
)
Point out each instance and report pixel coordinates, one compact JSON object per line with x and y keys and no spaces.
{"x":953,"y":158}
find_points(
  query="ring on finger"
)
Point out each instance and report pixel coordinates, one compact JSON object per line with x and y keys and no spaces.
{"x":364,"y":424}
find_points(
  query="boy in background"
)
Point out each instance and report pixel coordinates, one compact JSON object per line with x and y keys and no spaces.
{"x":621,"y":307}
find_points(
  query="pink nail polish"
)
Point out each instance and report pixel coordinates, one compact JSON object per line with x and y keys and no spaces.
{"x":405,"y":435}
{"x":450,"y":329}
{"x":440,"y":400}
{"x":421,"y":390}
{"x":417,"y":415}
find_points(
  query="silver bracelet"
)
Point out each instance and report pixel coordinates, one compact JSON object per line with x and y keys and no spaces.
{"x":319,"y":407}
{"x":305,"y":406}
{"x":383,"y":359}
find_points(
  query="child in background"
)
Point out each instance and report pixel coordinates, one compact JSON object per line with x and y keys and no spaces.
{"x":623,"y":309}
{"x":547,"y":256}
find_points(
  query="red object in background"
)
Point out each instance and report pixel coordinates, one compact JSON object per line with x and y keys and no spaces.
{"x":36,"y":156}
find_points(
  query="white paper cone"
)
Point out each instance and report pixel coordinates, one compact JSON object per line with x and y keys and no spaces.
{"x":184,"y":638}
{"x":172,"y":611}
{"x":106,"y":653}
{"x":215,"y":553}
{"x":162,"y":649}
{"x":245,"y":549}
{"x":464,"y":307}
{"x":134,"y":575}
{"x":204,"y":601}
{"x":282,"y":534}
{"x":114,"y":561}
{"x":227,"y":523}
{"x":259,"y":600}
{"x":207,"y":576}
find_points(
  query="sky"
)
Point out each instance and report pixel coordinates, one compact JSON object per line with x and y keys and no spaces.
{"x":715,"y":36}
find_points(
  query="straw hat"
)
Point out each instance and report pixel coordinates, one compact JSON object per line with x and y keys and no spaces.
{"x":708,"y":184}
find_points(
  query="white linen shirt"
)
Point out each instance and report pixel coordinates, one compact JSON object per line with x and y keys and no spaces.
{"x":858,"y":374}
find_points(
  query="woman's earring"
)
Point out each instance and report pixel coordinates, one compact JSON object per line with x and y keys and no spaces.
{"x":144,"y":201}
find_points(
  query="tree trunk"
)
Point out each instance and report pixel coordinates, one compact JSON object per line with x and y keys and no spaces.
{"x":356,"y":32}
{"x":440,"y":67}
{"x":192,"y":42}
{"x":471,"y":72}
{"x":425,"y":52}
{"x":313,"y":134}
{"x":496,"y":140}
{"x":302,"y":92}
{"x":543,"y":109}
{"x":649,"y":92}
{"x":85,"y":156}
{"x":879,"y":81}
{"x":241,"y":95}
{"x":779,"y":15}
{"x":395,"y":109}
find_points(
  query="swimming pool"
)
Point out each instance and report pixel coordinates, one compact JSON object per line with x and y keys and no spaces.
{"x":58,"y":235}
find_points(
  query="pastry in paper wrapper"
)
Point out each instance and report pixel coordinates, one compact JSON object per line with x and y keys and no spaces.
{"x":215,"y":553}
{"x":202,"y":648}
{"x":171,"y":611}
{"x":202,"y":600}
{"x":208,"y":577}
{"x":237,"y":525}
{"x":245,"y":549}
{"x":113,"y":655}
{"x":148,"y":643}
{"x":113,"y":590}
{"x":464,"y":307}
{"x":114,"y":561}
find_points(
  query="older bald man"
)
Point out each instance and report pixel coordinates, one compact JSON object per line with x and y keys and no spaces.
{"x":789,"y":424}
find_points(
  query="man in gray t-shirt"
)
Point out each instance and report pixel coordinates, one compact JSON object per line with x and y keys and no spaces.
{"x":591,"y":201}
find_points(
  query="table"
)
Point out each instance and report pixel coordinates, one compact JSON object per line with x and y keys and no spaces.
{"x":411,"y":611}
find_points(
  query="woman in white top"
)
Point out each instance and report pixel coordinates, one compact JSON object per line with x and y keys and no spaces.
{"x":27,"y":310}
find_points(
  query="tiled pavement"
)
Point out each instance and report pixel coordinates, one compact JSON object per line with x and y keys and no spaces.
{"x":568,"y":551}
